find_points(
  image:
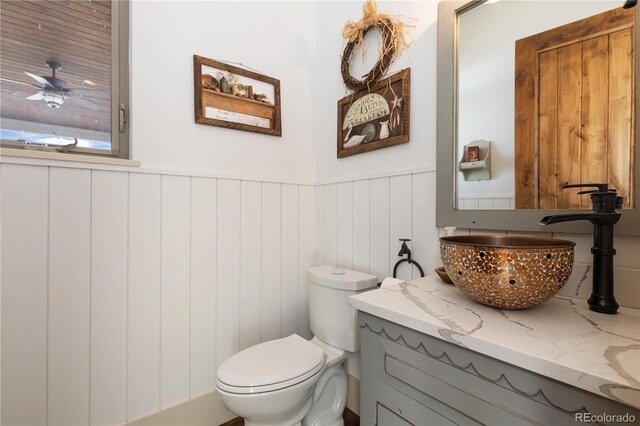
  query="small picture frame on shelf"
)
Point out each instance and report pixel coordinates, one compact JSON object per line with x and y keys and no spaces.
{"x":473,"y":153}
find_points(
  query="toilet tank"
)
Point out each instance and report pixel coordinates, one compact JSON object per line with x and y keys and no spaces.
{"x":333,"y":320}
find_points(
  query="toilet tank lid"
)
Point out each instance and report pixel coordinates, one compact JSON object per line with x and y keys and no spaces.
{"x":349,"y":280}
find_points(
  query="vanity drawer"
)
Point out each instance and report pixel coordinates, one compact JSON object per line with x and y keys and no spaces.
{"x":463,"y":386}
{"x":425,"y":380}
{"x":394,"y":408}
{"x":387,"y":417}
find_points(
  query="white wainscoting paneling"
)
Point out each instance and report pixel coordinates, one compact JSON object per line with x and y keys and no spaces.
{"x":379,"y":258}
{"x":330,"y":216}
{"x":109,"y":297}
{"x":251,"y":264}
{"x":143,"y":360}
{"x":424,"y":232}
{"x":361,"y":221}
{"x":345,"y":222}
{"x":69,"y":295}
{"x":400,"y":221}
{"x":359,"y":224}
{"x":122,"y":291}
{"x":361,"y":229}
{"x":175,"y":289}
{"x":228,"y":297}
{"x":271,"y":251}
{"x":24,"y":227}
{"x":289,"y":260}
{"x":203,"y":285}
{"x":306,"y":253}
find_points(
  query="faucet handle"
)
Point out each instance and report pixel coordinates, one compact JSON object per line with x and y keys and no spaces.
{"x":602,"y":187}
{"x":619,"y":202}
{"x":404,"y":239}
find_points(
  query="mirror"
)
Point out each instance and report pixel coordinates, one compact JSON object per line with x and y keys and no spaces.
{"x":532,"y":95}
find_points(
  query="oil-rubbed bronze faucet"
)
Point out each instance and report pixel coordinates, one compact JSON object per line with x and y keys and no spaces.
{"x":606,"y":206}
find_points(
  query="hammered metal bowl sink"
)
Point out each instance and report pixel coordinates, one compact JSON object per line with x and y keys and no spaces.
{"x":507,"y":272}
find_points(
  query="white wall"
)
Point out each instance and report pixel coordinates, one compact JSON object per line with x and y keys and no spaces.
{"x":123,"y":291}
{"x":275,"y":38}
{"x":328,"y":88}
{"x":487,"y":75}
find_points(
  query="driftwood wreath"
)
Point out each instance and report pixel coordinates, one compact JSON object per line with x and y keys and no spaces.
{"x":392,"y":42}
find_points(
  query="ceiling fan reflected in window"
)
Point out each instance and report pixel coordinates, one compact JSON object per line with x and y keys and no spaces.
{"x":55,"y":91}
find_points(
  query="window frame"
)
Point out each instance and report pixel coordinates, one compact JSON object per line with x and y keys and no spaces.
{"x":120,"y":122}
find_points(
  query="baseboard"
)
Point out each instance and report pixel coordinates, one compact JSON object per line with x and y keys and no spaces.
{"x":350,"y":419}
{"x":353,"y":394}
{"x":205,"y":410}
{"x":208,"y":410}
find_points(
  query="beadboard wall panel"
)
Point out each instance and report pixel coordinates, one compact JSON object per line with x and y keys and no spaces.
{"x":375,"y":213}
{"x":108,"y":297}
{"x":319,"y":228}
{"x":203,"y":285}
{"x":372,"y":214}
{"x":289,"y":261}
{"x":380,"y":224}
{"x":345,"y":224}
{"x":133,"y":287}
{"x":400,"y":221}
{"x":69,"y":295}
{"x":143,"y":359}
{"x":425,"y":234}
{"x":330,"y":216}
{"x":271,"y":222}
{"x":251,"y":267}
{"x":361,"y":230}
{"x":228,"y":297}
{"x":175,"y":287}
{"x":24,"y":272}
{"x":306,"y":254}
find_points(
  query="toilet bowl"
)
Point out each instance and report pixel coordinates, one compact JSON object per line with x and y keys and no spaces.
{"x":293,"y":381}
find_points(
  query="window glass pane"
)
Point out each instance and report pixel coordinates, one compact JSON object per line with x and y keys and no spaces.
{"x":55,"y":73}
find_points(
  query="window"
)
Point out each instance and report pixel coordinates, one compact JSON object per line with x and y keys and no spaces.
{"x":64,"y":76}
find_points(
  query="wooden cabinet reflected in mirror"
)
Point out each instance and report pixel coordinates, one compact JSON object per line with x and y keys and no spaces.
{"x":574,"y":111}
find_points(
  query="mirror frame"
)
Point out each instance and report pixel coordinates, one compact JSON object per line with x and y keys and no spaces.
{"x":513,"y":220}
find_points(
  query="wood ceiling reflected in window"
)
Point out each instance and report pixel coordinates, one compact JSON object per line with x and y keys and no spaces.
{"x":76,"y":35}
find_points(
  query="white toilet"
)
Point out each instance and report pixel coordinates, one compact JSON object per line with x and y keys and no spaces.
{"x":290,"y":381}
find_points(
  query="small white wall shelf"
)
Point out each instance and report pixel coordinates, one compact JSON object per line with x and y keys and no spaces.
{"x":477,"y":170}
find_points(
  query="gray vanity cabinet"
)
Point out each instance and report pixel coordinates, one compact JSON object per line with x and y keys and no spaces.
{"x":410,"y":378}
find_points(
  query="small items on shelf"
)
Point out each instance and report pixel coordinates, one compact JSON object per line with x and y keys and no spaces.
{"x":476,"y":161}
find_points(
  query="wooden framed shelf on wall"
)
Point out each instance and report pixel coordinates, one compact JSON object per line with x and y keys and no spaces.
{"x":237,"y":104}
{"x":236,"y":98}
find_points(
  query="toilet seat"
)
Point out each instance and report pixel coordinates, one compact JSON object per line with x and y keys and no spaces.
{"x":270,"y":366}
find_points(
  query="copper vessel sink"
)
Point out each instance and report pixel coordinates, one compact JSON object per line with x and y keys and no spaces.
{"x":505,"y":271}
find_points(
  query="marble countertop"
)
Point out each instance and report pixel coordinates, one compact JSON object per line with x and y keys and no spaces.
{"x":561,"y":338}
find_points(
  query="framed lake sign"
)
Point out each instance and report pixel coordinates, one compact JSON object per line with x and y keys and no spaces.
{"x":375,"y":118}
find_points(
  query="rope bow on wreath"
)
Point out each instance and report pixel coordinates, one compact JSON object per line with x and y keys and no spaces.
{"x":393,"y":41}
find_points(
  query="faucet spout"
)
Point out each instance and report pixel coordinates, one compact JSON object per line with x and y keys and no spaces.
{"x":593,"y":217}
